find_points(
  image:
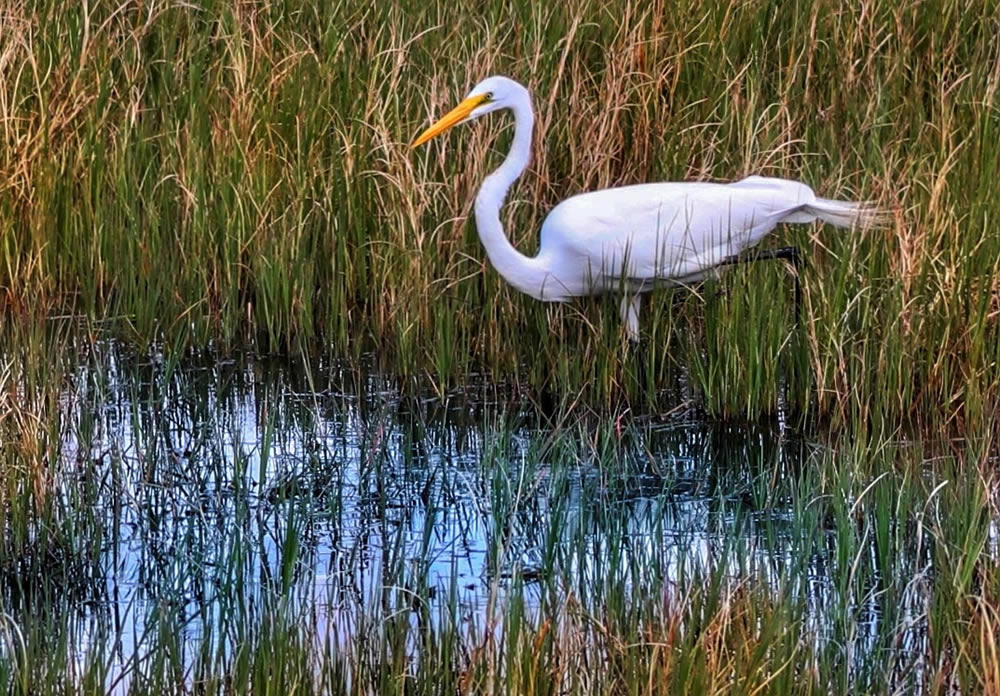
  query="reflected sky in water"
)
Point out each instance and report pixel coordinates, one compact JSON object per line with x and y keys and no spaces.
{"x":218,"y":484}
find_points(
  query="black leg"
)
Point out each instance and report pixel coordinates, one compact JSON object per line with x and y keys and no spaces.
{"x":786,"y":253}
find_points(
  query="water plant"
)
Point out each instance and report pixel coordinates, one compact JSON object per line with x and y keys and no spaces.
{"x":239,"y":173}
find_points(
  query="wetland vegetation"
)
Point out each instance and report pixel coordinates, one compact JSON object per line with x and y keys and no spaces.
{"x":270,"y":424}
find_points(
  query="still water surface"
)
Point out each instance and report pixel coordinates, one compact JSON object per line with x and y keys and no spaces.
{"x":214,"y":486}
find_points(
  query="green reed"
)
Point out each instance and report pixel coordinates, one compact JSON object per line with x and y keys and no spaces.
{"x":240,"y":174}
{"x":237,"y":175}
{"x":744,"y":563}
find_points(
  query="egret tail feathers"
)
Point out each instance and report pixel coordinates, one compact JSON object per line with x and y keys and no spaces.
{"x":848,"y":213}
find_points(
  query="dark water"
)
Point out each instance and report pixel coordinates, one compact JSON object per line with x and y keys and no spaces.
{"x":200,"y":490}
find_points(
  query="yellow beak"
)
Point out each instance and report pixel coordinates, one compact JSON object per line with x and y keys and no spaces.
{"x":453,"y":117}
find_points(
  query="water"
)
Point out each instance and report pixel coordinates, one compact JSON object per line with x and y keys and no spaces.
{"x":203,"y":493}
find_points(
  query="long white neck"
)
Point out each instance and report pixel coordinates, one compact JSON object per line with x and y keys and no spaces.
{"x":525,"y":273}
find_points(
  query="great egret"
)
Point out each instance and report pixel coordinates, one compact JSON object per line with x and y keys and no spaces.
{"x":631,"y":239}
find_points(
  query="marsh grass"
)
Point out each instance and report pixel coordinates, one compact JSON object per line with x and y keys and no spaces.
{"x":239,"y":527}
{"x":193,"y":181}
{"x":239,"y":173}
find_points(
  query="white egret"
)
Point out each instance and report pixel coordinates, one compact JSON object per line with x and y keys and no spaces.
{"x":631,"y":239}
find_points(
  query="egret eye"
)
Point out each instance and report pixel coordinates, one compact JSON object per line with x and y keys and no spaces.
{"x":489,"y":96}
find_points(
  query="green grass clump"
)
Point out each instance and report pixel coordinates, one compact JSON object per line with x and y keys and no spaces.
{"x":244,"y":527}
{"x":239,"y":173}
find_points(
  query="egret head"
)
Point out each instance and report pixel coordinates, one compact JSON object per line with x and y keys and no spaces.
{"x":491,"y":94}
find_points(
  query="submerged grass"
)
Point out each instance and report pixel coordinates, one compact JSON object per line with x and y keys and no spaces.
{"x":224,"y":529}
{"x":234,"y":172}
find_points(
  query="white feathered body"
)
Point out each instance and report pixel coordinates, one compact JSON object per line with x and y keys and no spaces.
{"x":635,"y":238}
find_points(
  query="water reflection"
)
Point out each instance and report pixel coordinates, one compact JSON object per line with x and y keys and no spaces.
{"x":214,"y":485}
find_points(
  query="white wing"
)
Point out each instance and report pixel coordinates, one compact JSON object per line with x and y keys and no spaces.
{"x":660,"y":232}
